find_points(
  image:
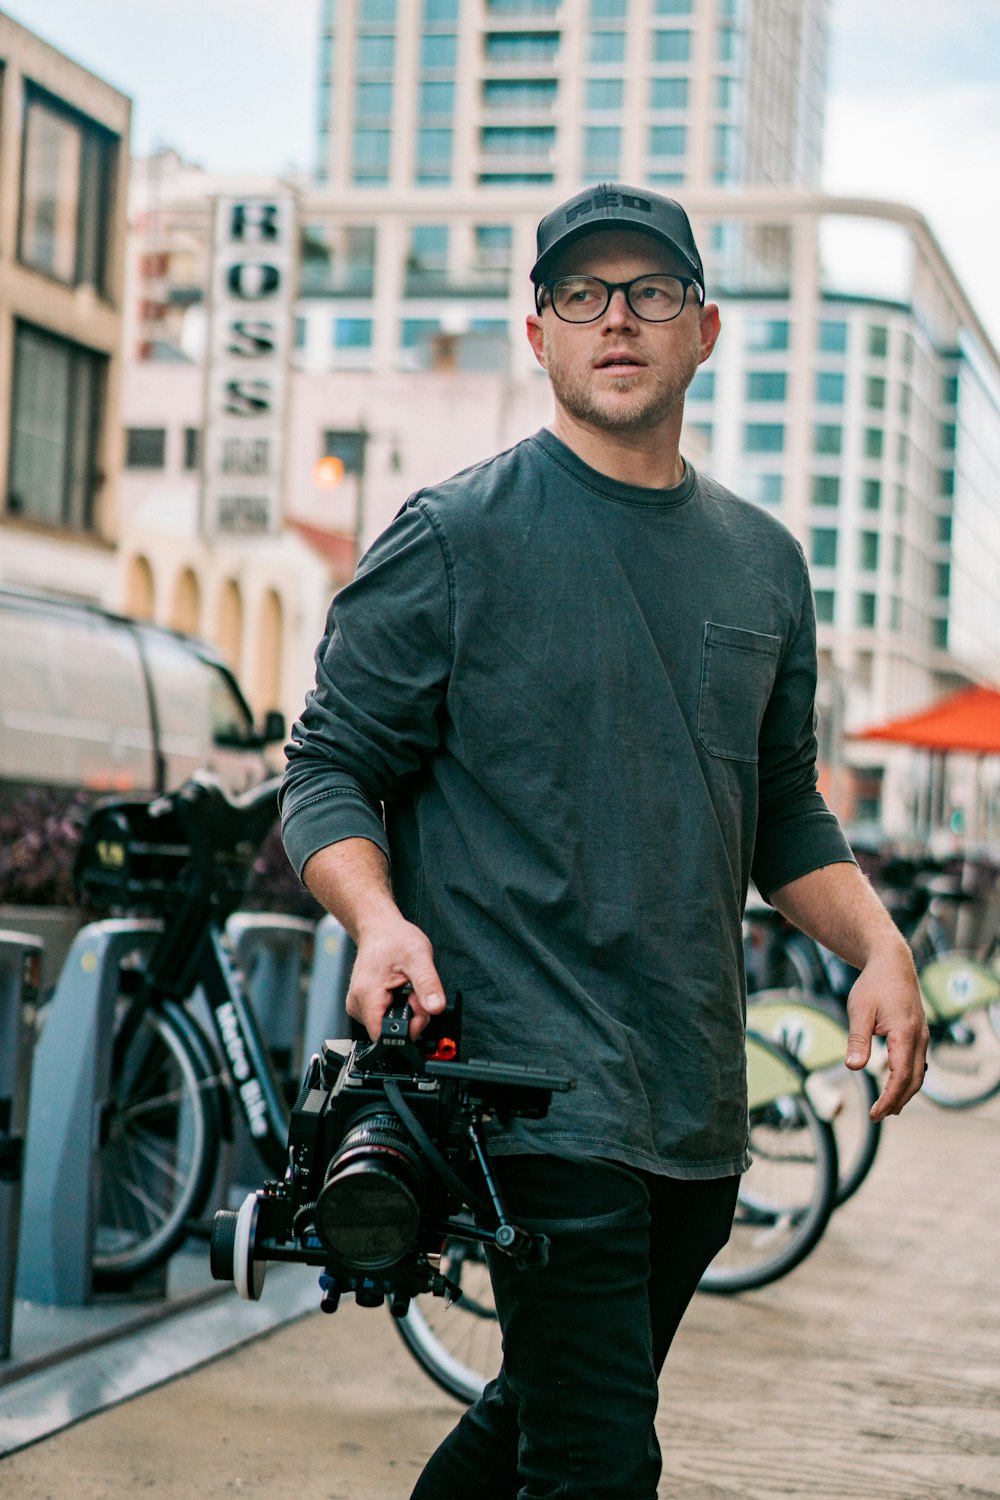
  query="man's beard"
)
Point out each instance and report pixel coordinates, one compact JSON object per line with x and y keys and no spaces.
{"x":575,"y":392}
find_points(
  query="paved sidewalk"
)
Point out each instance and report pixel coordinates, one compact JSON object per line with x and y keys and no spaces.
{"x":870,"y":1373}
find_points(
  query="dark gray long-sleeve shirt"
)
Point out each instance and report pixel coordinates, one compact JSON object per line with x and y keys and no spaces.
{"x":588,"y":711}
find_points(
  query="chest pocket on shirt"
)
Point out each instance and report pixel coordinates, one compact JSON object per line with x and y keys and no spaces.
{"x":737,"y":673}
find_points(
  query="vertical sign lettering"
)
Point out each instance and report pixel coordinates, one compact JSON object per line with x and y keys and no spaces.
{"x":246,"y":379}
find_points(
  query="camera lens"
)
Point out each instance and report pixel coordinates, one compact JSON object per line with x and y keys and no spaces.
{"x":368,"y":1211}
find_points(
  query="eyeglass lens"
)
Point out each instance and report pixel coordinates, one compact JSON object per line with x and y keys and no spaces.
{"x":582,"y":299}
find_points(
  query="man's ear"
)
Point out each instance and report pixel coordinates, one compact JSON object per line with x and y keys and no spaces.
{"x":536,"y":337}
{"x":711,"y":327}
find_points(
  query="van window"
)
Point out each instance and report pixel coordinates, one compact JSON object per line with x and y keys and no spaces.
{"x":202,"y":720}
{"x":74,"y":708}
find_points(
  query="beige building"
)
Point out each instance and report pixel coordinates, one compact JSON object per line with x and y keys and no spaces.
{"x":64,"y":162}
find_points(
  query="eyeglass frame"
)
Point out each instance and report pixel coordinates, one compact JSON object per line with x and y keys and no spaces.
{"x":618,"y":286}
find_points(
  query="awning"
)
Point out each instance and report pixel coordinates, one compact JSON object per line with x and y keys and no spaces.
{"x":968,"y":720}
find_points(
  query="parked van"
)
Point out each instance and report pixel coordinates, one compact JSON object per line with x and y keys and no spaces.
{"x":91,"y":703}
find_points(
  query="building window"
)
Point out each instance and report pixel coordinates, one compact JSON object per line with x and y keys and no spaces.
{"x":830,"y":388}
{"x":58,"y":391}
{"x":607,"y":10}
{"x":865,"y":614}
{"x":535,"y":95}
{"x":874,"y":442}
{"x":440,"y":10}
{"x":764,"y":334}
{"x":949,"y":436}
{"x":192,"y":446}
{"x":371,"y":155}
{"x":603,"y":93}
{"x":827,"y":438}
{"x":942,"y":579}
{"x":875,"y":393}
{"x":376,"y":54}
{"x":433,"y":155}
{"x":606,"y":47}
{"x":352,"y":333}
{"x":672,"y":8}
{"x":702,"y":387}
{"x":373,"y":101}
{"x":145,"y":447}
{"x":878,"y":341}
{"x":494,"y":245}
{"x":376,"y":12}
{"x":823,"y":547}
{"x":763,"y":437}
{"x":437,"y":101}
{"x":668,"y":93}
{"x":67,"y":169}
{"x":832,"y":337}
{"x":601,"y":150}
{"x":763,"y":489}
{"x":667,"y":140}
{"x":438,"y":51}
{"x":521,"y":46}
{"x":766,"y":385}
{"x":868,"y":551}
{"x":871,"y":494}
{"x":429,"y":247}
{"x":939,"y":634}
{"x":671,"y":46}
{"x":825,"y":600}
{"x":826,"y":489}
{"x":517,"y":140}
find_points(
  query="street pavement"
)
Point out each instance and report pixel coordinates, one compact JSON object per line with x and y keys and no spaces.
{"x":872,"y":1372}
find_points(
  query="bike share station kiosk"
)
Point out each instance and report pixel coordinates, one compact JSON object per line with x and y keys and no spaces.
{"x":49,"y":1144}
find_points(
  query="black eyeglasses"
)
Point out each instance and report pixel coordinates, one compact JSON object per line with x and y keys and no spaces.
{"x":584,"y":299}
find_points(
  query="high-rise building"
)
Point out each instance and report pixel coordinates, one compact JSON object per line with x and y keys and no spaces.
{"x":483,"y":94}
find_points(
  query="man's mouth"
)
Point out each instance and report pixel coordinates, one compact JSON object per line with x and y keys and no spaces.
{"x":619,"y":359}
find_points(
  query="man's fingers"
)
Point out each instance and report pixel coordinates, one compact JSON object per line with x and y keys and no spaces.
{"x":859,"y":1049}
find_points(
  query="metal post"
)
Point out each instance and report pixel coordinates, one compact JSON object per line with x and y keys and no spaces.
{"x":20,"y":967}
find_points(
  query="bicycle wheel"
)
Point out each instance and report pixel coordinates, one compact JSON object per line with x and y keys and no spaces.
{"x":963,"y":1060}
{"x":815,"y":1031}
{"x":787,"y":1195}
{"x":159,"y":1145}
{"x":457,"y":1344}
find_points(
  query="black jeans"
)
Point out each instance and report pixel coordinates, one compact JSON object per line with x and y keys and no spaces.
{"x":570,"y":1416}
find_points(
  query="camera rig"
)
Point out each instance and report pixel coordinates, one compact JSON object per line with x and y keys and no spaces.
{"x":387,"y":1160}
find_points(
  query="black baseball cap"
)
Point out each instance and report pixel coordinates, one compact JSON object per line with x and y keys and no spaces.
{"x":615,"y":205}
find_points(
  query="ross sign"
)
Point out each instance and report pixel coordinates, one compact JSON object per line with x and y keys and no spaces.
{"x":246,"y":381}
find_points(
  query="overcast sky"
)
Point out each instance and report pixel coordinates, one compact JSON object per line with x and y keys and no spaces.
{"x":913,"y":111}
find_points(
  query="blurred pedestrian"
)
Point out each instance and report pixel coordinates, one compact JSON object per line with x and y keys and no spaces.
{"x":561,"y":717}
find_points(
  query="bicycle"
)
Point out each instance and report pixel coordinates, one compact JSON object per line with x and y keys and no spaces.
{"x":183,"y":858}
{"x":960,"y":992}
{"x":785,"y":1202}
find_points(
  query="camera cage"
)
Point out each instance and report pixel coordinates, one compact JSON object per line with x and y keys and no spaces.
{"x":395,"y":1121}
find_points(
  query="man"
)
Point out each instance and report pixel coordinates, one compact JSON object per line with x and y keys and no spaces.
{"x":580,"y":679}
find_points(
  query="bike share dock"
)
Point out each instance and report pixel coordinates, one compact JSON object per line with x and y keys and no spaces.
{"x":67,"y":1349}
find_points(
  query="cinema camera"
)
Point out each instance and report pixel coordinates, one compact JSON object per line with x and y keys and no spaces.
{"x":387,"y":1160}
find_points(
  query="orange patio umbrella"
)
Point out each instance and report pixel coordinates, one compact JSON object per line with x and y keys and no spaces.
{"x":968,"y":720}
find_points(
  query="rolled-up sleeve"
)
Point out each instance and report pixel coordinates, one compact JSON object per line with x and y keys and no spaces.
{"x":796,"y":831}
{"x":374,"y":715}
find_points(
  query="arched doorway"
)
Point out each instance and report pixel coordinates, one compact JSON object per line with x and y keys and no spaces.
{"x":140,"y":591}
{"x":270,"y":651}
{"x":186,"y":612}
{"x":229,"y":624}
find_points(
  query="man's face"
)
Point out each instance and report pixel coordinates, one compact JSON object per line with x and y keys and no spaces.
{"x":620,"y":373}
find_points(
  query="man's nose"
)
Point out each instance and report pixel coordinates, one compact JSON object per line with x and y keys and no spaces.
{"x":618,"y":311}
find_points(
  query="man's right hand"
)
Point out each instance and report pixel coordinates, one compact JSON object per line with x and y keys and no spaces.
{"x":390,"y":953}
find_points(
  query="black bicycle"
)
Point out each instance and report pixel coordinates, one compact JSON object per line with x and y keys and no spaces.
{"x":176,"y":1084}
